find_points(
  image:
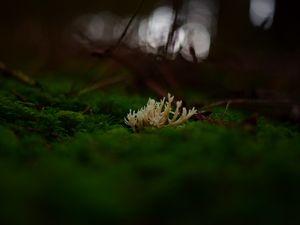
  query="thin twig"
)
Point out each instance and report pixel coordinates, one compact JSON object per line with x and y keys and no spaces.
{"x":101,"y":84}
{"x":18,"y":96}
{"x":109,"y":50}
{"x":154,"y":86}
{"x":249,"y":101}
{"x":128,"y":25}
{"x":18,"y":75}
{"x":176,"y":4}
{"x":227,"y":107}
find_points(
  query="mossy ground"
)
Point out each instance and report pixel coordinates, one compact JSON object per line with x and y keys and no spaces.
{"x":71,"y":160}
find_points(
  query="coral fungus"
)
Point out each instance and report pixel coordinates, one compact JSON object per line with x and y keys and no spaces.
{"x":158,"y":114}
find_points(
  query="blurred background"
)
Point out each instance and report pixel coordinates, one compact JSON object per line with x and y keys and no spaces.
{"x":66,"y":157}
{"x":232,"y":47}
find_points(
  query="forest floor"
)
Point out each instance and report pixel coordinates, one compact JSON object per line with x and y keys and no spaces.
{"x":68,"y":159}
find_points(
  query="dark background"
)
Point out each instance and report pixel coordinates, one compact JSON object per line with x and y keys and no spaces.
{"x":36,"y":36}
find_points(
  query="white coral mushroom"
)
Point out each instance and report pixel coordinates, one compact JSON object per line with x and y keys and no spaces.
{"x":157,"y":114}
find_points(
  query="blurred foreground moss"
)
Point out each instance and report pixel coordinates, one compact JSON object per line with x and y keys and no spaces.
{"x":71,"y":160}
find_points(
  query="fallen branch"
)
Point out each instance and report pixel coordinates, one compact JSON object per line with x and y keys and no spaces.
{"x":18,"y":75}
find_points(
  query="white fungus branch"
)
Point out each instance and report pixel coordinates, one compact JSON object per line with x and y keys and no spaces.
{"x":157,"y":114}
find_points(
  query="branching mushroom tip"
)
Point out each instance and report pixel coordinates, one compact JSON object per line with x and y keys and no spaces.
{"x":158,"y":114}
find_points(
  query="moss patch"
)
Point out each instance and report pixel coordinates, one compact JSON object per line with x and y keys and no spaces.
{"x":71,"y":160}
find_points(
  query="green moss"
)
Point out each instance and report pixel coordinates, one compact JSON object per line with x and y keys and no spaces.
{"x":8,"y":142}
{"x":71,"y":160}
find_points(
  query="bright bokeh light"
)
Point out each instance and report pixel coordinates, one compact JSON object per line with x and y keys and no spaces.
{"x":262,"y":12}
{"x":153,"y":33}
{"x":159,"y":27}
{"x":197,"y":39}
{"x":98,"y":27}
{"x":95,"y":28}
{"x":192,"y":39}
